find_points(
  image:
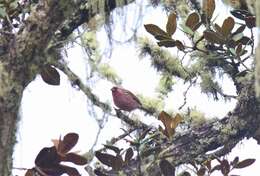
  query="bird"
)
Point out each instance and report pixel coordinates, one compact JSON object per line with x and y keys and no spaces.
{"x":125,"y":100}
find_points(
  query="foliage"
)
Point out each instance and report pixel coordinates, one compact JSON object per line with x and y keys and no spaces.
{"x":212,"y":50}
{"x":48,"y":161}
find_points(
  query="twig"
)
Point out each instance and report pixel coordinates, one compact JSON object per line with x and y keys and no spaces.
{"x":75,"y":80}
{"x":185,"y":94}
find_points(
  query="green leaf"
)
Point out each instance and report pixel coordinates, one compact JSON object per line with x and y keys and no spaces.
{"x":2,"y":12}
{"x":186,"y":29}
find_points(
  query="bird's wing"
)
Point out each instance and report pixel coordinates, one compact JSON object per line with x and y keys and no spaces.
{"x":134,"y":97}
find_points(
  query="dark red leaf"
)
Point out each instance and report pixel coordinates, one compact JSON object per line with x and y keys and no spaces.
{"x":245,"y":40}
{"x":250,"y":21}
{"x":192,"y":21}
{"x":30,"y":172}
{"x":171,"y":24}
{"x":99,"y":173}
{"x":68,"y":142}
{"x":55,"y":170}
{"x":227,"y":26}
{"x":113,"y":148}
{"x":74,"y":158}
{"x":50,"y":75}
{"x":208,"y":7}
{"x":239,"y":49}
{"x":129,"y":154}
{"x":167,"y":43}
{"x":239,"y":30}
{"x":71,"y":171}
{"x":116,"y":162}
{"x":166,"y":168}
{"x":47,"y":157}
{"x":225,"y":167}
{"x":216,"y":168}
{"x":201,"y":171}
{"x":208,"y":164}
{"x":179,"y":45}
{"x":213,"y":37}
{"x":155,"y":30}
{"x":244,"y":163}
{"x":235,"y":161}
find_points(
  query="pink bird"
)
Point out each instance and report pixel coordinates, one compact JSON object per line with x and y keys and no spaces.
{"x":125,"y":100}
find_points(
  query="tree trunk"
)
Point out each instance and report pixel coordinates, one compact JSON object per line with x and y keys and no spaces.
{"x":257,"y":59}
{"x":20,"y":64}
{"x":22,"y":54}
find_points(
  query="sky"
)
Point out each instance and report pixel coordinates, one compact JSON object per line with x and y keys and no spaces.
{"x":50,"y":111}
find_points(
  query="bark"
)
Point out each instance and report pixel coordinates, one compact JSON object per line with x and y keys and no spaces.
{"x":219,"y":136}
{"x":257,"y":59}
{"x":22,"y":55}
{"x":19,"y":66}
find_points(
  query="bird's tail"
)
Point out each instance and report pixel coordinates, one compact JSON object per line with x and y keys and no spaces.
{"x":148,"y":110}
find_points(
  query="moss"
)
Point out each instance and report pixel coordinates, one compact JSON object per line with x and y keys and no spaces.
{"x":151,"y":103}
{"x":109,"y":73}
{"x":165,"y":84}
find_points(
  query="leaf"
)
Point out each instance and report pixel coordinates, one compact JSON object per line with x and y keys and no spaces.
{"x":179,"y":45}
{"x":129,"y":154}
{"x":99,"y":173}
{"x":238,"y":14}
{"x":235,"y":161}
{"x":238,"y":36}
{"x":167,"y":43}
{"x":171,"y":24}
{"x":116,"y":162}
{"x":55,"y":170}
{"x":208,"y":7}
{"x":228,"y":26}
{"x":213,"y":37}
{"x":201,"y":171}
{"x":250,"y":22}
{"x":245,"y":40}
{"x":68,"y":142}
{"x":74,"y":158}
{"x":216,"y":168}
{"x":239,"y":49}
{"x":186,"y":29}
{"x":208,"y":164}
{"x":192,"y":21}
{"x":50,"y":75}
{"x":2,"y":12}
{"x":218,"y":29}
{"x":113,"y":148}
{"x":170,"y":123}
{"x":225,"y":167}
{"x":155,"y":30}
{"x":71,"y":171}
{"x":30,"y":172}
{"x":240,"y":29}
{"x":145,"y":132}
{"x":162,"y":37}
{"x":166,"y":168}
{"x":244,"y":163}
{"x":47,"y":157}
